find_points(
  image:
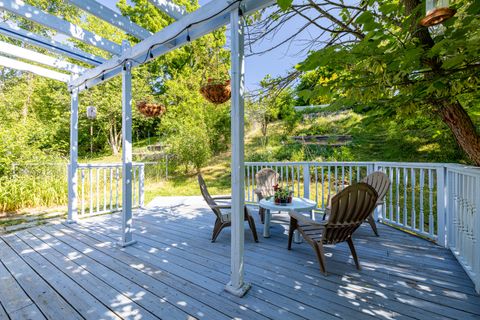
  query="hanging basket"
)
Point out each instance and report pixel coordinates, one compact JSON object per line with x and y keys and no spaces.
{"x":150,"y":109}
{"x":216,"y":91}
{"x":437,"y":16}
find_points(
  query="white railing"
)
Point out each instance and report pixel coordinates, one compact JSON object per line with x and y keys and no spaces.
{"x":100,"y":187}
{"x":463,"y":220}
{"x":437,"y":201}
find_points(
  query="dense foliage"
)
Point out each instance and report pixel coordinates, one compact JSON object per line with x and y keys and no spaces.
{"x":376,"y":53}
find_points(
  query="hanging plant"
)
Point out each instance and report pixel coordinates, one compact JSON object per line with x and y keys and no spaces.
{"x":437,"y":12}
{"x":150,"y":109}
{"x":217,"y":91}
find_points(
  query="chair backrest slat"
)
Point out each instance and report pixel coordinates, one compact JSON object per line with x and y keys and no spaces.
{"x":380,"y":182}
{"x":207,"y":197}
{"x":350,"y":207}
{"x":265,"y":180}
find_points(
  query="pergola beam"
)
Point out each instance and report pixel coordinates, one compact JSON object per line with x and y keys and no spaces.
{"x":206,"y":19}
{"x":22,"y":66}
{"x":34,"y":14}
{"x":49,"y":44}
{"x":110,"y":16}
{"x":13,"y":50}
{"x":173,"y":10}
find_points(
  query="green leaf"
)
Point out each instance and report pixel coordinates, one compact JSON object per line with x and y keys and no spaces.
{"x":284,"y":4}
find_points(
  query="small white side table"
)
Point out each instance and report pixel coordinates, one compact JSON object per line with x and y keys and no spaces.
{"x":297,"y":205}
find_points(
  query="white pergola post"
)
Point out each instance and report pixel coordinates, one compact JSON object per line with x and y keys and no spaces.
{"x":237,"y":286}
{"x":127,"y":152}
{"x":72,"y":168}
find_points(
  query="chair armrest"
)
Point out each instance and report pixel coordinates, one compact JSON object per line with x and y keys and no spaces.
{"x":221,"y":206}
{"x":222,"y":197}
{"x":305,"y":220}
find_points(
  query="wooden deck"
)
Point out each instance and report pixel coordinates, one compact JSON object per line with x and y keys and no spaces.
{"x":175,"y":272}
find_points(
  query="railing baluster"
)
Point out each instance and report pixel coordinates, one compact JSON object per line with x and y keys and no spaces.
{"x":335,"y":181}
{"x":134,"y":175}
{"x":431,"y":225}
{"x":397,"y":183}
{"x":117,"y":178}
{"x":350,"y":175}
{"x":405,"y":208}
{"x":316,"y":185}
{"x":97,"y":182}
{"x":105,"y":189}
{"x":413,"y":213}
{"x":298,"y":181}
{"x":329,"y":183}
{"x":90,"y":176}
{"x":422,"y":185}
{"x":323,"y":188}
{"x":83,"y":190}
{"x":111,"y":189}
{"x":390,"y":198}
{"x":343,"y":176}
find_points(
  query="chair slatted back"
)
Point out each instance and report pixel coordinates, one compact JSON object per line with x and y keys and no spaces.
{"x":350,"y":208}
{"x":207,"y":197}
{"x":265,"y":180}
{"x":380,"y":182}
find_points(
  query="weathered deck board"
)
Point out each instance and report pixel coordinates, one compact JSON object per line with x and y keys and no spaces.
{"x":175,"y":272}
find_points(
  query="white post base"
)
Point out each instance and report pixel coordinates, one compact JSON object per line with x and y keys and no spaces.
{"x":71,"y":221}
{"x":126,"y":244}
{"x":239,"y":292}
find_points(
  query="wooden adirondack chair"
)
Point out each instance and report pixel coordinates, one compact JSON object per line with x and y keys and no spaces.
{"x":350,"y":208}
{"x":223,"y":220}
{"x":381,"y":183}
{"x":265,"y":180}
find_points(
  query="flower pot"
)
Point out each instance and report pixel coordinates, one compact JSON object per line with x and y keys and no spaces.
{"x":437,"y":16}
{"x":150,"y":109}
{"x":283,"y":201}
{"x":216,"y":91}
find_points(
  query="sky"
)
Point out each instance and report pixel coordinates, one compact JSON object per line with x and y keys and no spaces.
{"x":275,"y":63}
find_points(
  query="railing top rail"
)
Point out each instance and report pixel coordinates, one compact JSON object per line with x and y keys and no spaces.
{"x":106,"y":165}
{"x":423,"y":165}
{"x":279,"y":163}
{"x":463,"y":169}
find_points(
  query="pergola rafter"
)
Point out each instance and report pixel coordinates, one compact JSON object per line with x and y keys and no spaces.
{"x":173,"y":10}
{"x":50,"y":21}
{"x":54,"y":46}
{"x":22,"y":66}
{"x":110,"y":16}
{"x":12,"y":50}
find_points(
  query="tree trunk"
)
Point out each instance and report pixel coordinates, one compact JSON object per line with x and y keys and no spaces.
{"x":463,"y":129}
{"x":452,"y":113}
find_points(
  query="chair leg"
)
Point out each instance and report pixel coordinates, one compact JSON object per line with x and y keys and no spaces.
{"x":372,"y":223}
{"x":318,"y":248}
{"x":293,"y":226}
{"x":354,"y":253}
{"x":216,"y":229}
{"x":261,"y":213}
{"x":251,"y":223}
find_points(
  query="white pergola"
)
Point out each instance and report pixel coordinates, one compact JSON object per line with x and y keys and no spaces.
{"x":187,"y":27}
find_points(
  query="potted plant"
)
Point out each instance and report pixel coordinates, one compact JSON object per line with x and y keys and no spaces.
{"x":282,"y":195}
